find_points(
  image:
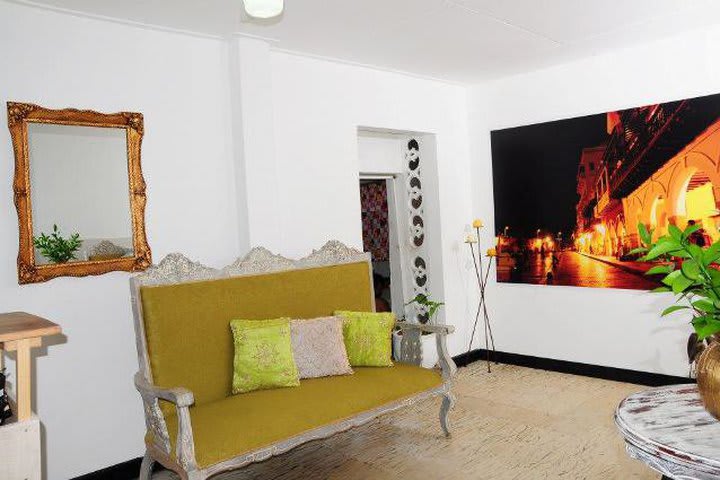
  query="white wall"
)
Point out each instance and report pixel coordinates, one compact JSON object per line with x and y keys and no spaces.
{"x":380,"y":152}
{"x":618,"y":328}
{"x":197,"y":119}
{"x":318,"y":107}
{"x":91,"y":414}
{"x":254,"y":142}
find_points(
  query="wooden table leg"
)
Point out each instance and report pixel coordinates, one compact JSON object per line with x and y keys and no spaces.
{"x":23,"y":376}
{"x":23,"y":381}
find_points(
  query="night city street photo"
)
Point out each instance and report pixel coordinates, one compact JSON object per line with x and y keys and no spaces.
{"x":569,"y":194}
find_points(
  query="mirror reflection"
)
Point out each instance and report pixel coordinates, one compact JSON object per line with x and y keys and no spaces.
{"x":79,"y":193}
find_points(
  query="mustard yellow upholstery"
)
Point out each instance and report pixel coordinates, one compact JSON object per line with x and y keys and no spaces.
{"x":189,"y":342}
{"x":187,"y":326}
{"x":238,"y":424}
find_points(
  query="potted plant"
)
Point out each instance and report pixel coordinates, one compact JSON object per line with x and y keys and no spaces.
{"x":689,"y":272}
{"x":426,"y":305}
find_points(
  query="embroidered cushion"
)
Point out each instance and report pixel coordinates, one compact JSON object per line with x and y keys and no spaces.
{"x":368,"y":337}
{"x":319,"y":348}
{"x":263,"y":355}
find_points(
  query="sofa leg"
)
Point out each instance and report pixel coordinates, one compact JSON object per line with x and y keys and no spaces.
{"x":146,"y":467}
{"x":447,"y":404}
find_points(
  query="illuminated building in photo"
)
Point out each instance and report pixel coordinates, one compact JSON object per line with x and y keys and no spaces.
{"x":659,"y":167}
{"x":587,"y":176}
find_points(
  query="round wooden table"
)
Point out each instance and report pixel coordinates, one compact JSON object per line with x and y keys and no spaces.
{"x":668,"y":429}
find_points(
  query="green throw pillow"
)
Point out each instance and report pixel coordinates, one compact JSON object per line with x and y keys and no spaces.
{"x":263,"y":355}
{"x":368,"y":338}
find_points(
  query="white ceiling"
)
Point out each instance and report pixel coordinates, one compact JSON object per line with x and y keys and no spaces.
{"x":457,"y":40}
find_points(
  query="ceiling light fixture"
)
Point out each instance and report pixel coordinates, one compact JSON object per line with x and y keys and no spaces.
{"x":263,"y":8}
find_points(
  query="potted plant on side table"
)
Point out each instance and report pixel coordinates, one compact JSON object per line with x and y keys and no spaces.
{"x":424,"y":304}
{"x":689,"y":272}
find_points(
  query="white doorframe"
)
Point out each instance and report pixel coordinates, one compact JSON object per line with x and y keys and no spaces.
{"x":395,"y":220}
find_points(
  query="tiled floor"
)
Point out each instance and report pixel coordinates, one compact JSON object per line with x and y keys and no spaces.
{"x":513,"y":424}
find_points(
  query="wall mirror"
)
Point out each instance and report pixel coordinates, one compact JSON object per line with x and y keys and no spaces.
{"x":79,"y":192}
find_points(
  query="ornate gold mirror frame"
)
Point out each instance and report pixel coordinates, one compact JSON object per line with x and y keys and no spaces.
{"x":19,"y":116}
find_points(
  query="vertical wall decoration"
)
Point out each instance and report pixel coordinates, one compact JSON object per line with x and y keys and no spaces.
{"x":418,"y":265}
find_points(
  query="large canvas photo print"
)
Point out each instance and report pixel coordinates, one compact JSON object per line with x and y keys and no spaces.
{"x":569,"y":194}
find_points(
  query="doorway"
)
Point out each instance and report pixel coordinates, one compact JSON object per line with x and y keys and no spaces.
{"x":379,"y":217}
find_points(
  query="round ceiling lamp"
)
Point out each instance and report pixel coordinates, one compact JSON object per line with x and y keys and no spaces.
{"x":263,"y":8}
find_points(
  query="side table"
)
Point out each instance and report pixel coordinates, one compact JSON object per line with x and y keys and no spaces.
{"x":669,"y":430}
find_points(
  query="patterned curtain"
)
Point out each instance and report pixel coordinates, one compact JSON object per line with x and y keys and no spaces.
{"x":376,"y":237}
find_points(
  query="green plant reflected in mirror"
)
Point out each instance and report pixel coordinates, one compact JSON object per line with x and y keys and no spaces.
{"x":56,"y":248}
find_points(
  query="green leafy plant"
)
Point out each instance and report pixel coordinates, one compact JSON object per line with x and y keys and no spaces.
{"x":424,"y":300}
{"x":696,"y":282}
{"x":56,"y":248}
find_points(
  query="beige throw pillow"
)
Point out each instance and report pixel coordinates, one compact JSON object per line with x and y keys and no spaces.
{"x":319,"y":347}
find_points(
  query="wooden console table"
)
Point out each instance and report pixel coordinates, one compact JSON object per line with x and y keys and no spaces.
{"x":21,"y":455}
{"x":668,"y":429}
{"x":20,"y":332}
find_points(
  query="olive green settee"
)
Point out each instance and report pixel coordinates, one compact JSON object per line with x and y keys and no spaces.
{"x":182,"y":310}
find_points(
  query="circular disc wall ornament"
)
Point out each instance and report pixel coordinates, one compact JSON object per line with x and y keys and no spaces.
{"x":420,"y":272}
{"x":416,"y":202}
{"x":415,"y":192}
{"x":413,"y":155}
{"x":415,"y":197}
{"x":418,"y":230}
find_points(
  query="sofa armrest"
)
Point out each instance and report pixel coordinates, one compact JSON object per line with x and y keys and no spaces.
{"x":182,"y":398}
{"x":442,"y":329}
{"x":447,"y":364}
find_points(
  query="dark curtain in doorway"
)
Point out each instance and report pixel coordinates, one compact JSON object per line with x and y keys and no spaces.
{"x":373,"y":198}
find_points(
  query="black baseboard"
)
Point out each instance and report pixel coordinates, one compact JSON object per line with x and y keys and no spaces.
{"x":122,"y":471}
{"x":562,"y":366}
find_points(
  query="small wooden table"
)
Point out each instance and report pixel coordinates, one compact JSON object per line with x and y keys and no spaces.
{"x":668,"y":429}
{"x":20,"y":331}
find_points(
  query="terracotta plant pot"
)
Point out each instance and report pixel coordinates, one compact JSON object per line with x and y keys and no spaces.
{"x":708,"y":378}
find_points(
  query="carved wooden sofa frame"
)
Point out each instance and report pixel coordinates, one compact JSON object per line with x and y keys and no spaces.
{"x":177,"y":269}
